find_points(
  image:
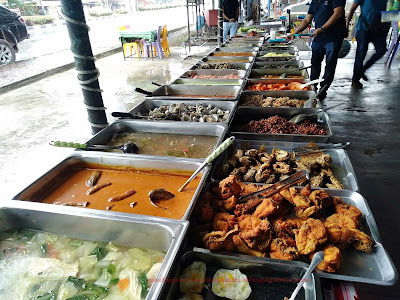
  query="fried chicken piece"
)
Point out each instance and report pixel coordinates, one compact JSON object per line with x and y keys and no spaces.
{"x":349,"y":210}
{"x":229,"y":187}
{"x":343,"y":221}
{"x":244,"y":249}
{"x":282,"y":168}
{"x":270,"y":206}
{"x":283,"y":248}
{"x":338,"y":236}
{"x":361,"y":241}
{"x":286,"y":228}
{"x":316,"y":160}
{"x":228,"y":204}
{"x":221,"y":240}
{"x":332,"y":259}
{"x":311,"y":234}
{"x":223,"y":222}
{"x":255,"y":232}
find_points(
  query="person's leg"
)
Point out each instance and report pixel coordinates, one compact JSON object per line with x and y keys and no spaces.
{"x":225,"y":29}
{"x":233,"y":29}
{"x":316,"y":60}
{"x":361,"y":52}
{"x":380,"y":50}
{"x":249,"y":12}
{"x":331,"y":57}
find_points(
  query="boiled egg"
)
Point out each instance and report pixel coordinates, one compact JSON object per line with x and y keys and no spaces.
{"x":231,"y":284}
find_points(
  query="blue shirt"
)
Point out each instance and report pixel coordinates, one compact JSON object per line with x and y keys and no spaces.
{"x":322,"y":10}
{"x":370,"y":10}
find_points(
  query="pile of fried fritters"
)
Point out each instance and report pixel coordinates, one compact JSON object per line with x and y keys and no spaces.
{"x":322,"y":222}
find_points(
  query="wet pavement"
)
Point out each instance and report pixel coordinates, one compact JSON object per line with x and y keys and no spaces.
{"x":52,"y":109}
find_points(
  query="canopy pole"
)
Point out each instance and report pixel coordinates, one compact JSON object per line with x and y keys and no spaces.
{"x":220,"y":20}
{"x":188,"y":19}
{"x":78,"y":30}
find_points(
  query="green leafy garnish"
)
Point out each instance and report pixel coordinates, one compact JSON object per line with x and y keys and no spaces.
{"x":77,"y":282}
{"x":100,"y":252}
{"x":112,"y":269}
{"x":114,"y":281}
{"x":47,"y":296}
{"x":144,"y":282}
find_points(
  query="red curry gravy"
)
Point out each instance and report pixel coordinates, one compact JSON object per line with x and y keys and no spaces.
{"x":74,"y":190}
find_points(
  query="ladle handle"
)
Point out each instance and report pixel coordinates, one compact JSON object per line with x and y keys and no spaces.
{"x":122,"y":115}
{"x":316,"y":260}
{"x":142,"y":91}
{"x":221,"y":148}
{"x":68,"y":144}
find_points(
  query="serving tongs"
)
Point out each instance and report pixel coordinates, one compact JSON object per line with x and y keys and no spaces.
{"x":308,"y":150}
{"x":296,"y":178}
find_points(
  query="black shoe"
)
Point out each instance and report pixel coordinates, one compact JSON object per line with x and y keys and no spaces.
{"x":364,"y":77}
{"x":356,"y":84}
{"x":322,"y":96}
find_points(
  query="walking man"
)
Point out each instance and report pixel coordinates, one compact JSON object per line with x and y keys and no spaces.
{"x":230,"y":9}
{"x":369,"y":29}
{"x":330,"y":30}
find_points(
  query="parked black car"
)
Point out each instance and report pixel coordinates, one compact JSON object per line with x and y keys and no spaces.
{"x":12,"y":31}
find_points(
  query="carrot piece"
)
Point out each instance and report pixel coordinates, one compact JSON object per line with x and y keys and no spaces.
{"x":123,"y":283}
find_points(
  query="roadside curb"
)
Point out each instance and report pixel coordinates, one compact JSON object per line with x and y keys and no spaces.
{"x":62,"y":68}
{"x":47,"y":73}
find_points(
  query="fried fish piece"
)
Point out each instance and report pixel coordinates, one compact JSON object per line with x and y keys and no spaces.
{"x":286,"y":228}
{"x":283,"y":248}
{"x":271,"y":206}
{"x":244,"y":249}
{"x":361,"y":241}
{"x":311,"y":234}
{"x":255,"y":232}
{"x":332,"y":259}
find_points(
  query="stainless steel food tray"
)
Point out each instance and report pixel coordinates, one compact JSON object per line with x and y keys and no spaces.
{"x":131,"y":230}
{"x":257,"y":73}
{"x":375,"y":267}
{"x":227,"y":59}
{"x":214,"y":72}
{"x":279,"y":48}
{"x":196,"y":92}
{"x":301,"y":95}
{"x":241,"y":66}
{"x":243,"y":48}
{"x":277,"y":58}
{"x":246,"y":40}
{"x":341,"y":164}
{"x":191,"y":128}
{"x":264,"y":65}
{"x":145,"y":106}
{"x":286,"y":81}
{"x":50,"y":180}
{"x":190,"y":81}
{"x":233,"y":43}
{"x":290,"y":51}
{"x":275,"y":278}
{"x":244,"y":115}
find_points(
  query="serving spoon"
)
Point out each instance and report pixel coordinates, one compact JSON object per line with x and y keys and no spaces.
{"x":127,"y":147}
{"x":310,"y":103}
{"x":316,"y":260}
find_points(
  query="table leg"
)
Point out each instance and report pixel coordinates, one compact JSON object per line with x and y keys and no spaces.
{"x":123,"y":49}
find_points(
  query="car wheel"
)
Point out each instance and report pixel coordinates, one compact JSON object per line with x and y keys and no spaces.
{"x":7,"y":53}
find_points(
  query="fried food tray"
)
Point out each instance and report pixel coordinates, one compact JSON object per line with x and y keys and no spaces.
{"x":257,"y":73}
{"x":375,"y":267}
{"x":244,"y":115}
{"x":135,"y":231}
{"x":274,"y":278}
{"x":341,"y":165}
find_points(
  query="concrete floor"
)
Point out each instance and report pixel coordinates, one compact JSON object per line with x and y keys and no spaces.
{"x":52,"y":109}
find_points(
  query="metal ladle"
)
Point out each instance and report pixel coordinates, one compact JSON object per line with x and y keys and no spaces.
{"x":316,"y":260}
{"x":310,"y":103}
{"x":127,"y":147}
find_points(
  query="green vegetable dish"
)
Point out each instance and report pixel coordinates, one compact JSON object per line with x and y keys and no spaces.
{"x":45,"y":266}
